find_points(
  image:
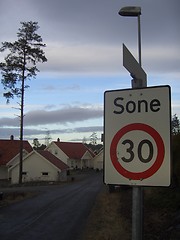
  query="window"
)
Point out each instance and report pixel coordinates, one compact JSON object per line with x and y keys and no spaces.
{"x":24,"y":173}
{"x":45,"y":173}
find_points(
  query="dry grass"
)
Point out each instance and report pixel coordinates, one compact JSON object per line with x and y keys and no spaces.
{"x":111,"y":216}
{"x":13,"y":197}
{"x":107,"y":220}
{"x":161,"y":213}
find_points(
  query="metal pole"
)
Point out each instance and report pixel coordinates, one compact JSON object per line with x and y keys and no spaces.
{"x":136,"y":214}
{"x":137,"y":194}
{"x":139,"y":40}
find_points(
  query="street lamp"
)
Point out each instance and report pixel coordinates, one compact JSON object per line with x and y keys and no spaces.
{"x":130,"y":11}
{"x":133,"y":11}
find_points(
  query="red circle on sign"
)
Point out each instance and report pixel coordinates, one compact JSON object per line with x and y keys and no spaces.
{"x":160,"y":151}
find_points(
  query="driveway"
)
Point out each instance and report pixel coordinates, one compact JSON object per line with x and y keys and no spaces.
{"x":58,"y":212}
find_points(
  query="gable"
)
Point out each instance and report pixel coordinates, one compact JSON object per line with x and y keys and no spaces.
{"x":73,"y":150}
{"x":36,"y":158}
{"x":53,"y":159}
{"x":16,"y":158}
{"x":99,"y":156}
{"x":33,"y":164}
{"x":55,"y":150}
{"x":87,"y":155}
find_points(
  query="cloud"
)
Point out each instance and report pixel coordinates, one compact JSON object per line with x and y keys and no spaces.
{"x":81,"y":41}
{"x":103,"y":58}
{"x":161,"y":59}
{"x":89,"y":129}
{"x":51,"y":88}
{"x":30,"y":134}
{"x":68,"y":114}
{"x":78,"y":130}
{"x":82,"y":58}
{"x":37,"y":122}
{"x":6,"y":132}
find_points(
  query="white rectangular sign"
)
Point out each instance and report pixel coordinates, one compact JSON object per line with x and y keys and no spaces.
{"x":137,"y":130}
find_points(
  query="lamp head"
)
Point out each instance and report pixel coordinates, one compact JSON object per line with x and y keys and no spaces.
{"x":130,"y":11}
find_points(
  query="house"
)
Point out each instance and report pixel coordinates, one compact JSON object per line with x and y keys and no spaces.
{"x":9,"y":154}
{"x":40,"y":166}
{"x":98,"y":160}
{"x":76,"y":155}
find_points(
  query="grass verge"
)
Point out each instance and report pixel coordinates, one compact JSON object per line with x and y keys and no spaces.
{"x":111,"y":216}
{"x":13,"y":197}
{"x":107,"y":220}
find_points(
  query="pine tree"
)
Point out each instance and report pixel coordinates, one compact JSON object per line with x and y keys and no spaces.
{"x":19,"y":66}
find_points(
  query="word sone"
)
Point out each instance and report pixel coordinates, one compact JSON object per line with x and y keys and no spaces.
{"x":132,"y":106}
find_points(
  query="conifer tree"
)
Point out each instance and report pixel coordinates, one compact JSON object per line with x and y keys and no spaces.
{"x":19,"y":66}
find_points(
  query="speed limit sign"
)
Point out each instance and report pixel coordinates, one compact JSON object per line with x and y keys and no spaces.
{"x":137,"y":130}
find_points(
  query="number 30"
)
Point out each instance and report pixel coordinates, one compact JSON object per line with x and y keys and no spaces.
{"x":129,"y":150}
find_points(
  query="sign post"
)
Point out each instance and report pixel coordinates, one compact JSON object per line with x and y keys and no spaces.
{"x":139,"y":80}
{"x":137,"y":138}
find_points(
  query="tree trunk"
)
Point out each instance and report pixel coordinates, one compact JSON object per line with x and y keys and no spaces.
{"x":21,"y":126}
{"x":21,"y":134}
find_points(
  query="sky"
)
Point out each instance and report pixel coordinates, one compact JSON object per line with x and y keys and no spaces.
{"x":84,"y":50}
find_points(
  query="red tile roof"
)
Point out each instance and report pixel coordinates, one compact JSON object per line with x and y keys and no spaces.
{"x":53,"y":159}
{"x":73,"y":150}
{"x":10,"y":148}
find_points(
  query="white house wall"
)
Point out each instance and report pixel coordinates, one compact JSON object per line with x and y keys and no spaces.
{"x":98,"y":161}
{"x":87,"y":155}
{"x":56,"y":151}
{"x":3,"y":173}
{"x":87,"y":160}
{"x":34,"y":166}
{"x":16,"y":159}
{"x":74,"y":163}
{"x":14,"y":174}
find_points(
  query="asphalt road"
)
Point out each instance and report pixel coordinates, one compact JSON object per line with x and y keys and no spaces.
{"x":58,"y":212}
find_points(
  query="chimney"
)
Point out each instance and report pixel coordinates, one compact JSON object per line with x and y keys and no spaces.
{"x":12,"y":137}
{"x":58,"y":140}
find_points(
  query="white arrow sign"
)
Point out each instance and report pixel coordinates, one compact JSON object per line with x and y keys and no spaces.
{"x":130,"y":63}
